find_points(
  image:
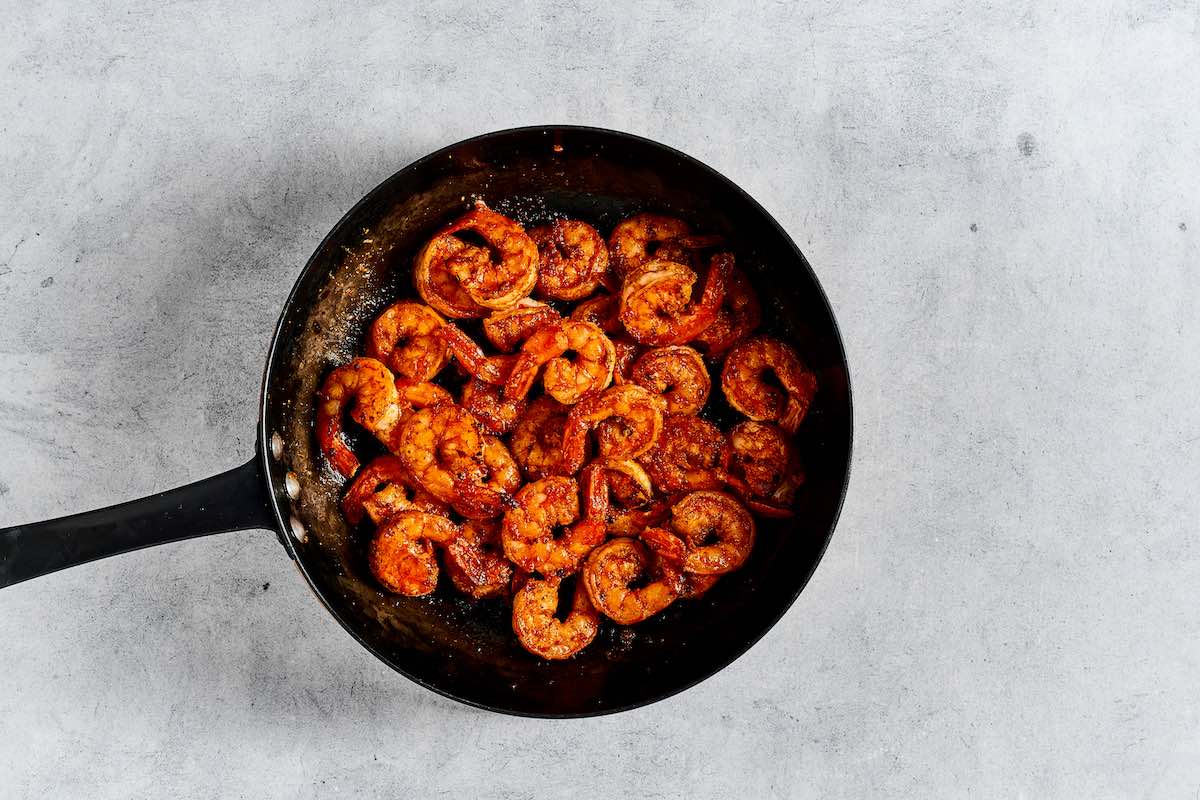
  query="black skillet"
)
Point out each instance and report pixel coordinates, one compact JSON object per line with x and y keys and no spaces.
{"x":462,"y":649}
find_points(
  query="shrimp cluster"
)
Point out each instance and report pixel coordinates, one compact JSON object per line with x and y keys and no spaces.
{"x":543,"y":428}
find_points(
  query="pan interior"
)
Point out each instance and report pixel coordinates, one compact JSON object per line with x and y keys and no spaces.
{"x":466,"y":648}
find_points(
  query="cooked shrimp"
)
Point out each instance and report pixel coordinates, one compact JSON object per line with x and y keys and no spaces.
{"x":372,"y":388}
{"x":507,"y":329}
{"x":634,"y":241}
{"x":687,"y":250}
{"x":574,"y":258}
{"x":602,"y":310}
{"x":678,"y":374}
{"x":474,"y":561}
{"x":383,"y":488}
{"x":762,"y":466}
{"x":486,"y":401}
{"x":639,"y":413}
{"x":618,"y":494}
{"x":711,"y":533}
{"x":615,"y":568}
{"x":536,"y":623}
{"x":401,"y":556}
{"x":487,"y":491}
{"x":687,"y":456}
{"x":536,"y":441}
{"x":567,"y":380}
{"x":745,"y":389}
{"x":476,"y":363}
{"x":405,"y":338}
{"x":693,"y":584}
{"x":435,"y":270}
{"x":440,"y":447}
{"x":656,"y":302}
{"x":510,"y":271}
{"x":736,"y":319}
{"x":544,"y":507}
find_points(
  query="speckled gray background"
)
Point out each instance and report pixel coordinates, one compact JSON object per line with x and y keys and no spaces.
{"x":1002,"y":202}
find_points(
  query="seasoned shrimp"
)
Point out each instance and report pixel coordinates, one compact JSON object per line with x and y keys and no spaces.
{"x":619,"y":494}
{"x":476,"y":363}
{"x":656,"y":302}
{"x":536,"y":623}
{"x":762,"y":466}
{"x":507,"y":275}
{"x":711,"y":533}
{"x":383,"y":488}
{"x":602,"y":310}
{"x":507,"y":329}
{"x":693,"y":584}
{"x":615,"y":568}
{"x":745,"y":389}
{"x":537,"y":438}
{"x":574,"y":258}
{"x":475,"y":563}
{"x":440,"y":447}
{"x":372,"y":388}
{"x":639,"y":413}
{"x":495,"y":413}
{"x":401,"y":556}
{"x":486,"y":491}
{"x":544,"y":507}
{"x":737,"y":318}
{"x":678,"y":374}
{"x":405,"y":337}
{"x":687,"y":456}
{"x":435,"y":273}
{"x":566,"y":380}
{"x":634,"y":241}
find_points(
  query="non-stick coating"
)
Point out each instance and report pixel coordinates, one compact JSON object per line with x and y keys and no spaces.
{"x":466,"y":649}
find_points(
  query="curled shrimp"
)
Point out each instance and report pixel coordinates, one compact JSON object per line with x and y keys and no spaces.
{"x":507,"y":329}
{"x":383,"y":488}
{"x":693,"y":584}
{"x":574,"y":258}
{"x":507,"y":274}
{"x":419,"y":394}
{"x":567,"y":380}
{"x":543,"y":508}
{"x":440,"y":447}
{"x":401,"y":556}
{"x":475,"y":563}
{"x":762,"y":466}
{"x":602,"y":311}
{"x":619,"y":494}
{"x":376,"y":406}
{"x":475,"y":362}
{"x":687,"y":456}
{"x":745,"y":389}
{"x":637,"y":418}
{"x":405,"y":337}
{"x":486,"y":490}
{"x":678,"y":374}
{"x":711,"y":533}
{"x":536,"y":623}
{"x":736,"y":319}
{"x":626,"y":583}
{"x":536,"y":440}
{"x":496,"y":414}
{"x":656,"y":303}
{"x":635,"y":240}
{"x":435,"y":273}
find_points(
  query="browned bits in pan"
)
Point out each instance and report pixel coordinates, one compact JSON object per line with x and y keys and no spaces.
{"x":565,"y":453}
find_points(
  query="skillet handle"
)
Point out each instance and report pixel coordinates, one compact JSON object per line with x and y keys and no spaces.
{"x":232,"y":501}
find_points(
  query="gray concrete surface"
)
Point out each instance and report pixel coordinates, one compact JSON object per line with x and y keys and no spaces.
{"x":1002,"y":200}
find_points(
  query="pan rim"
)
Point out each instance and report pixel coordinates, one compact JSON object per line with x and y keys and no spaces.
{"x":273,"y":351}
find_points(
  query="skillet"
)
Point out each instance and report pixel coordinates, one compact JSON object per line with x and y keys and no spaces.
{"x":463,"y":649}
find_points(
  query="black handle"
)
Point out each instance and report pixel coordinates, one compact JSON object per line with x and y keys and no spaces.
{"x":232,"y":501}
